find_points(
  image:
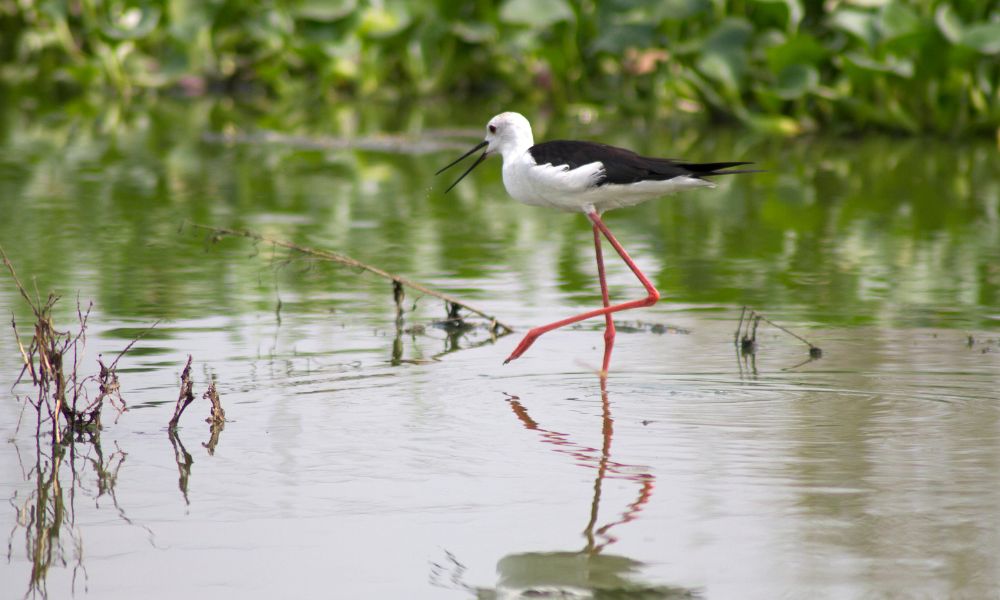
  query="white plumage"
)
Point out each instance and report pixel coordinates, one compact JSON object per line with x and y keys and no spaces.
{"x":563,"y":187}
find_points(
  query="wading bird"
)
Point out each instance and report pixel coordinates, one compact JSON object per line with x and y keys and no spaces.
{"x":590,"y":177}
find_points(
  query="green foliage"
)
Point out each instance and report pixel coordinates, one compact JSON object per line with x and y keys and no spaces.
{"x":780,"y":65}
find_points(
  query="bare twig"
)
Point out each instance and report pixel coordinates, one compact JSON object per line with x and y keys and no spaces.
{"x":451,"y":302}
{"x":749,"y":321}
{"x":397,"y":296}
{"x":217,"y":420}
{"x":218,"y":415}
{"x":28,"y":363}
{"x":141,"y":335}
{"x":17,"y":282}
{"x":186,"y":395}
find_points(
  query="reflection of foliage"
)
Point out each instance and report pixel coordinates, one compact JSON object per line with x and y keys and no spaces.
{"x":847,"y":231}
{"x":780,"y":65}
{"x":878,"y":230}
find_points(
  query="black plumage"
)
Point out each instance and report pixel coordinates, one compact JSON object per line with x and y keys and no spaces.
{"x":624,"y":166}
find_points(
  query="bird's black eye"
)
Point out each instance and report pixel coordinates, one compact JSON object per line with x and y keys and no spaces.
{"x":493,"y":128}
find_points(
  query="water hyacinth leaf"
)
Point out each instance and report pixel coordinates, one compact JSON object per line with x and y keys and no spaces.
{"x":536,"y":13}
{"x":984,"y":37}
{"x":324,"y":10}
{"x":898,"y":20}
{"x":890,"y":64}
{"x":616,"y":38}
{"x":798,"y":49}
{"x":384,"y":20}
{"x":730,"y":36}
{"x":675,"y":10}
{"x":130,"y":23}
{"x":857,"y":23}
{"x":775,"y":125}
{"x":474,"y":33}
{"x":723,"y":56}
{"x":795,"y":12}
{"x":938,"y":59}
{"x":796,"y":80}
{"x":723,"y":68}
{"x":190,"y":27}
{"x":948,"y":23}
{"x":705,"y":90}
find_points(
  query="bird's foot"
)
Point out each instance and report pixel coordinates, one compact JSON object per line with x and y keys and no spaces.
{"x":526,"y":343}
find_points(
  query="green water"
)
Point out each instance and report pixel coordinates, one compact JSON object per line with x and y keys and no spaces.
{"x":363,"y":460}
{"x":860,"y":231}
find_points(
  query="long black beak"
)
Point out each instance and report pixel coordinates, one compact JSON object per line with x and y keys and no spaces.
{"x":460,"y":159}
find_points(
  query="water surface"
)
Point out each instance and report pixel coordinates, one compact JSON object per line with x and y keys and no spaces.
{"x":365,"y":460}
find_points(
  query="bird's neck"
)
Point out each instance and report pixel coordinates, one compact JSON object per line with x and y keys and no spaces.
{"x":516,"y":145}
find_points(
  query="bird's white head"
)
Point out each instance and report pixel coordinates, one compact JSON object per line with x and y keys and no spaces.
{"x":507,"y":134}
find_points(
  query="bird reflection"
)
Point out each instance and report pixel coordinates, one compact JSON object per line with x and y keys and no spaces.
{"x":586,"y":572}
{"x":597,"y":537}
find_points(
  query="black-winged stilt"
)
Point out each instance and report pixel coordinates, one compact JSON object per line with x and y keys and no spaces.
{"x":590,"y":177}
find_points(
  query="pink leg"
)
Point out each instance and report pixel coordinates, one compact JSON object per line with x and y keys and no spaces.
{"x":651,"y":296}
{"x":609,"y":324}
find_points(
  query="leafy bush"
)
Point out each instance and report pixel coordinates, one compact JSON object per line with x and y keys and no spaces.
{"x":782,"y":65}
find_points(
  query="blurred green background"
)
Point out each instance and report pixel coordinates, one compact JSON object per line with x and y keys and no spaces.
{"x":783,"y":66}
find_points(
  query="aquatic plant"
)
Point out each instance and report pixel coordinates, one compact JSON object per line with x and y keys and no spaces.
{"x":785,"y":66}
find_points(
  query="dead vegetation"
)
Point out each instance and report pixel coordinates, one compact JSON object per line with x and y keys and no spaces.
{"x":647,"y":327}
{"x":68,"y":408}
{"x":186,"y":395}
{"x":47,"y":512}
{"x":745,"y":340}
{"x":216,"y":421}
{"x":62,"y":398}
{"x":983,"y":345}
{"x":745,"y":337}
{"x":453,"y":306}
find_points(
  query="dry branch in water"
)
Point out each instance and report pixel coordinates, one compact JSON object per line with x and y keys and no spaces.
{"x":186,"y":395}
{"x":218,"y":416}
{"x":452,"y":303}
{"x":52,"y":360}
{"x":746,"y":333}
{"x":217,"y":419}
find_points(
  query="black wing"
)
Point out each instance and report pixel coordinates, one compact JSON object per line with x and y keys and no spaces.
{"x":621,"y":165}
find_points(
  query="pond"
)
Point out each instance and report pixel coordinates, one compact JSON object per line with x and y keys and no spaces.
{"x":365,"y":457}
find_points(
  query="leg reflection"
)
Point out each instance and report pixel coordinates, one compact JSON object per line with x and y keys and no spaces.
{"x":588,"y":572}
{"x":600,"y":460}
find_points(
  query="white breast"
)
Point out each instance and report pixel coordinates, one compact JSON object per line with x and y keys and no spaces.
{"x":546,"y":185}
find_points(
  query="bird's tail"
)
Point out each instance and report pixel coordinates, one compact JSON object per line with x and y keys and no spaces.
{"x":717,"y":168}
